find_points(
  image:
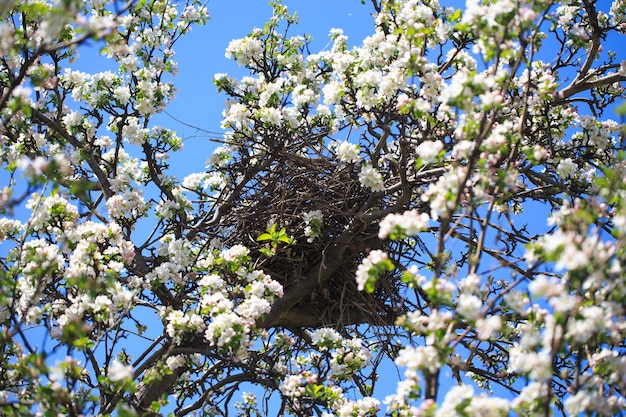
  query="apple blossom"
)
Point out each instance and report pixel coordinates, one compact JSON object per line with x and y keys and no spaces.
{"x":119,"y":372}
{"x":371,"y":178}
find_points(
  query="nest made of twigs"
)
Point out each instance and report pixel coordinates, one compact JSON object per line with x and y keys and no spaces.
{"x":291,"y":186}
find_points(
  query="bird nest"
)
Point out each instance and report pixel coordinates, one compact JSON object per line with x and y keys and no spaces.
{"x":279,"y":192}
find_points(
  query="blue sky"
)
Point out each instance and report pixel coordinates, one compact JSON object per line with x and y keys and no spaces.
{"x":200,"y":54}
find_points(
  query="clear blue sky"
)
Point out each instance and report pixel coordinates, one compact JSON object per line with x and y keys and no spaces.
{"x":200,"y":54}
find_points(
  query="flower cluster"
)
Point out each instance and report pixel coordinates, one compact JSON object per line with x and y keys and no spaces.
{"x":347,"y":152}
{"x":396,"y":226}
{"x":314,"y":221}
{"x":367,"y":273}
{"x":371,"y":178}
{"x":349,"y":357}
{"x":225,"y":323}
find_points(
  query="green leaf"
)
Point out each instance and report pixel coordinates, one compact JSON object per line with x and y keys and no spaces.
{"x":286,"y":239}
{"x":455,"y":16}
{"x":269,"y":252}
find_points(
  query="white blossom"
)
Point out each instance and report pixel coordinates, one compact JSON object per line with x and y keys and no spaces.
{"x":347,"y":152}
{"x":566,"y":168}
{"x":371,"y":178}
{"x":118,"y":371}
{"x":411,"y":222}
{"x":428,"y":150}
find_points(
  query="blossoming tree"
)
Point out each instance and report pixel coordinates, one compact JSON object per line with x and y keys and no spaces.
{"x":446,"y":197}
